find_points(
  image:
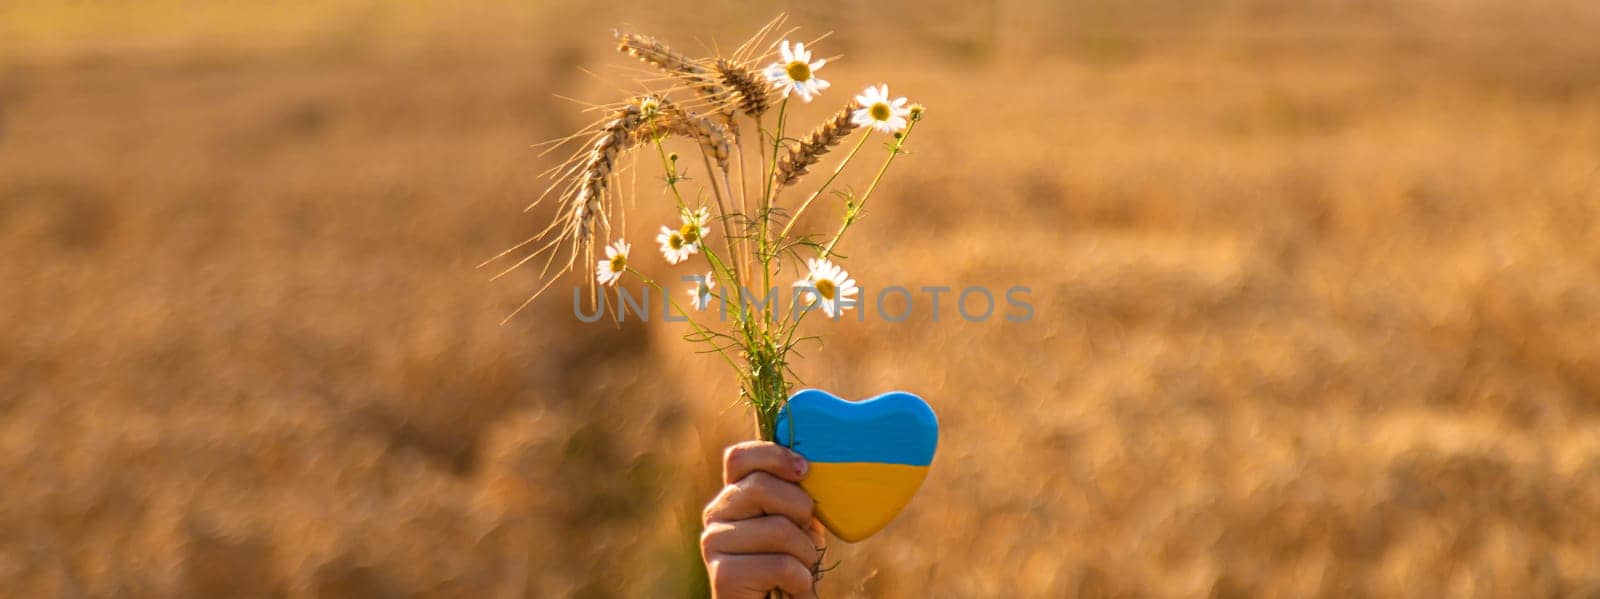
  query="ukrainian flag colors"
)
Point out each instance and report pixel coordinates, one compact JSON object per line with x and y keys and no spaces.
{"x":867,"y":458}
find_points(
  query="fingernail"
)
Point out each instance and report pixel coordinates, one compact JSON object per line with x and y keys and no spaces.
{"x":800,"y":467}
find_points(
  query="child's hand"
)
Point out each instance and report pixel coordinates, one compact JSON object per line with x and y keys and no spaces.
{"x":760,"y":534}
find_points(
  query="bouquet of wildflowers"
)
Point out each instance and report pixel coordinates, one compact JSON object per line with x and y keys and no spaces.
{"x":749,"y":189}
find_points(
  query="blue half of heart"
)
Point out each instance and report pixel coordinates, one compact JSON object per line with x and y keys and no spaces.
{"x":893,"y":428}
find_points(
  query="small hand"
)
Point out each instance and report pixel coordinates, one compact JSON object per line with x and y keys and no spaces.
{"x":760,"y":532}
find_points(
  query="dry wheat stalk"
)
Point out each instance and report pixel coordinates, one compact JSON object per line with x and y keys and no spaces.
{"x":749,"y":87}
{"x":672,"y":119}
{"x":819,"y":142}
{"x":616,"y":134}
{"x":711,"y":136}
{"x":654,"y":52}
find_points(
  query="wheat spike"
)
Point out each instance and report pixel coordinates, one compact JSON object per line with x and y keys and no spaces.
{"x":654,"y":52}
{"x":801,"y":157}
{"x":748,"y":86}
{"x":672,"y":119}
{"x":616,"y":134}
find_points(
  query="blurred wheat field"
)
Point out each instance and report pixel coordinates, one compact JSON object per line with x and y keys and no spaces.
{"x":1315,"y":285}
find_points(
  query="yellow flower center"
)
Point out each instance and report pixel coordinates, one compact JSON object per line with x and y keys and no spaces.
{"x":826,"y":288}
{"x":690,"y":232}
{"x":799,"y":71}
{"x":675,"y":242}
{"x":879,"y":111}
{"x":619,"y":263}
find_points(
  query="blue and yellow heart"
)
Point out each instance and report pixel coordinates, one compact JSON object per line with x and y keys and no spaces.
{"x":867,"y":457}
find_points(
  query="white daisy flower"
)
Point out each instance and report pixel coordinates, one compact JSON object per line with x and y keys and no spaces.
{"x":832,"y":283}
{"x":694,"y":229}
{"x":649,"y":106}
{"x":677,"y":245}
{"x":796,"y":72}
{"x":700,"y":296}
{"x":674,"y":246}
{"x":879,"y":112}
{"x":610,"y":270}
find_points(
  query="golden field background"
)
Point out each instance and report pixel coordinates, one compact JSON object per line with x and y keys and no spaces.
{"x":1316,"y":291}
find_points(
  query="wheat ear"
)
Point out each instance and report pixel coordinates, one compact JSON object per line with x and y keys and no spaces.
{"x":748,"y":86}
{"x":672,"y":119}
{"x":820,"y":141}
{"x":616,"y":134}
{"x":654,"y":52}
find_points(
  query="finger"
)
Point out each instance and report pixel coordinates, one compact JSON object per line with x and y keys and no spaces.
{"x":814,"y":533}
{"x":761,"y":494}
{"x":740,"y":576}
{"x":759,"y":456}
{"x":767,"y":534}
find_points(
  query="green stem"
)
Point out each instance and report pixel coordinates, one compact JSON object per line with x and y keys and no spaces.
{"x":728,"y":279}
{"x":793,"y":218}
{"x":894,"y":150}
{"x":722,"y":210}
{"x":671,"y":169}
{"x":698,"y":328}
{"x":767,"y":197}
{"x":777,"y":148}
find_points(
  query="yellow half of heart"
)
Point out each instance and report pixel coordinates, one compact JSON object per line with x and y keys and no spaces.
{"x":856,"y":499}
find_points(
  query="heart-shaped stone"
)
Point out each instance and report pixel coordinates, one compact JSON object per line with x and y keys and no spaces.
{"x":867,"y":457}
